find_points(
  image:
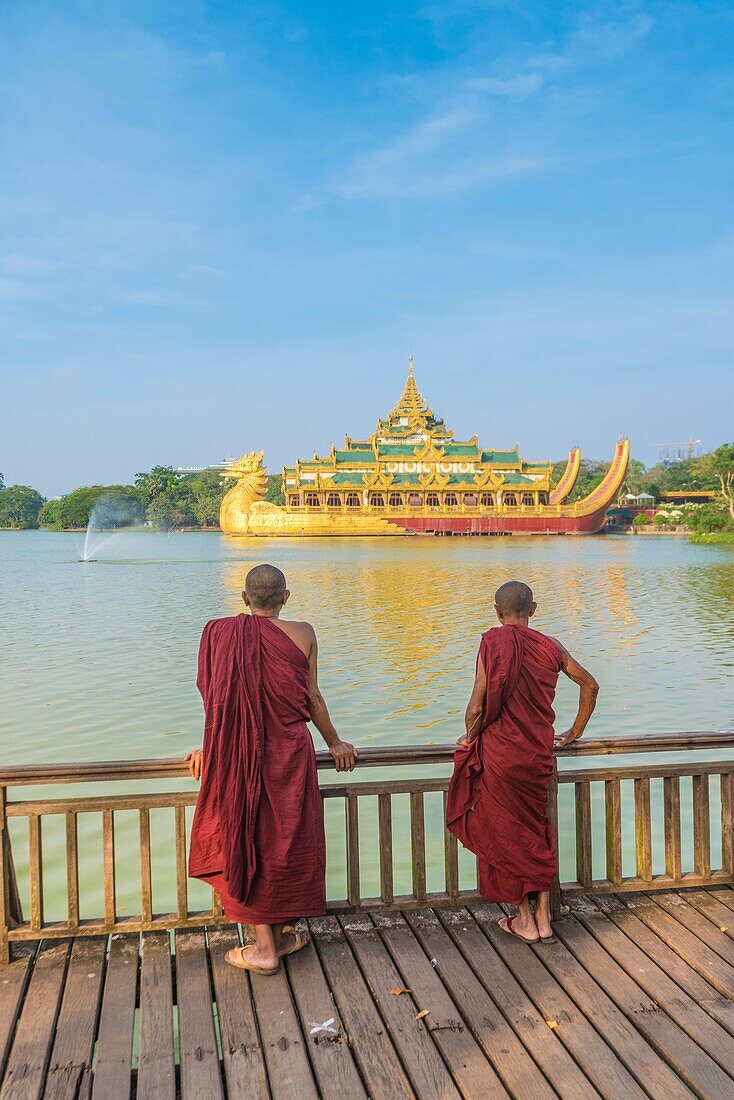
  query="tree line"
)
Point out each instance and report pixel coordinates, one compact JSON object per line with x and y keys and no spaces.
{"x":166,"y":500}
{"x":160,"y":498}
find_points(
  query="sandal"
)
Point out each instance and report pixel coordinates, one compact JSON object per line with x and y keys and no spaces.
{"x":236,"y":957}
{"x":505,"y":925}
{"x":549,"y":939}
{"x":300,"y":939}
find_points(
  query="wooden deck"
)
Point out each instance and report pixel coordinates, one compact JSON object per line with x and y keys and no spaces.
{"x":636,"y":999}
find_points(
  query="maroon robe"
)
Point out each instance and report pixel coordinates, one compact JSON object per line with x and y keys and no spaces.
{"x":258,"y":830}
{"x":498,"y":795}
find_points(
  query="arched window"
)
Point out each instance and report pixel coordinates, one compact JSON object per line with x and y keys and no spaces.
{"x":333,"y":500}
{"x":294,"y":500}
{"x":487,"y":500}
{"x":377,"y":500}
{"x":470,"y":500}
{"x":312,"y":500}
{"x":396,"y":501}
{"x":527,"y":498}
{"x":353,"y":500}
{"x":542,"y":498}
{"x":451,"y":500}
{"x":414,"y":500}
{"x":432,"y":500}
{"x":510,"y":500}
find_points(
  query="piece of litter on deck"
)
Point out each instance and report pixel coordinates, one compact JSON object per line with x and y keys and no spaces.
{"x":422,"y":1013}
{"x":724,"y":928}
{"x":397,"y":991}
{"x":551,"y":1023}
{"x":327,"y":1026}
{"x":434,"y":963}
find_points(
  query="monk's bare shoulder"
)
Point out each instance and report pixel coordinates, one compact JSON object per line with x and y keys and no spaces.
{"x":303,"y":634}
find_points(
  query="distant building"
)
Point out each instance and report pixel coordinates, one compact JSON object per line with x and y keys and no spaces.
{"x":220,"y":467}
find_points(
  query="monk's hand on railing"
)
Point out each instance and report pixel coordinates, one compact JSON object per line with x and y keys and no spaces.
{"x":345,"y":756}
{"x":193,"y":759}
{"x":561,"y":740}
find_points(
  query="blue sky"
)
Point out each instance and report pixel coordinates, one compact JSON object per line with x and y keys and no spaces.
{"x":224,"y":226}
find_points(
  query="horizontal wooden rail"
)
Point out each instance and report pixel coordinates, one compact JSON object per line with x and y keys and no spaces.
{"x":383,"y":757}
{"x":396,"y":851}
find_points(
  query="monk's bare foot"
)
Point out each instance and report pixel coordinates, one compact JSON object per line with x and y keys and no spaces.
{"x":249,"y":958}
{"x":520,"y":930}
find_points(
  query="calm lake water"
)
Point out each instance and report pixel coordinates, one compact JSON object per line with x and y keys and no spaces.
{"x":98,"y":660}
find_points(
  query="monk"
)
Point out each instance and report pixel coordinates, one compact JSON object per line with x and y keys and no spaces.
{"x":258,"y":832}
{"x":498,"y":795}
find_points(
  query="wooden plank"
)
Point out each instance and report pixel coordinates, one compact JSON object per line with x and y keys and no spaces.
{"x":688,"y":1060}
{"x":643,"y":831}
{"x":35,"y":872}
{"x":712,"y":907}
{"x":327,"y":1042}
{"x":352,"y":825}
{"x":683,"y":974}
{"x":286,"y":1058}
{"x":727,"y":822}
{"x":613,"y":829}
{"x":113,"y":1068}
{"x":690,"y":948}
{"x":182,"y":897}
{"x":72,"y":871}
{"x":379,"y":1065}
{"x":69,"y":1075}
{"x":695,"y":922}
{"x":14,"y":978}
{"x":599,"y":1062}
{"x":451,"y":858}
{"x":671,"y":823}
{"x":108,"y":867}
{"x":384,"y":820}
{"x":156,"y":1054}
{"x":411,"y":1036}
{"x":652,"y":1074}
{"x":492,"y":1030}
{"x":418,"y":844}
{"x":582,"y":797}
{"x":541,"y":1041}
{"x":199,"y":1057}
{"x":701,"y":826}
{"x":463,"y":1054}
{"x":31,"y":1048}
{"x":659,"y":986}
{"x":244,"y":1063}
{"x":146,"y":887}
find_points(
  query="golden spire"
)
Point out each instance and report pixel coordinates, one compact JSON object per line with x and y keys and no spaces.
{"x":412,"y":403}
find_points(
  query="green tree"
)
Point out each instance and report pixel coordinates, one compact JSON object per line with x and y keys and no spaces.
{"x":722,"y":465}
{"x":73,"y":511}
{"x":164,"y":515}
{"x":160,"y":481}
{"x":641,"y":520}
{"x":19,"y":507}
{"x":2,"y":482}
{"x":274,"y":492}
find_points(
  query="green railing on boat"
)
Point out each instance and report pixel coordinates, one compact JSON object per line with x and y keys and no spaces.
{"x":685,"y":848}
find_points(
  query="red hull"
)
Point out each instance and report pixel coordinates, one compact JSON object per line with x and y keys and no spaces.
{"x":503,"y":525}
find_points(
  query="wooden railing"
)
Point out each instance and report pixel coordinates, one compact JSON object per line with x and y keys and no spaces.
{"x":384,"y":866}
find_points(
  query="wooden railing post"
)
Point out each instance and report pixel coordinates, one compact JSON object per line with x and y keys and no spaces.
{"x":555,"y":892}
{"x":11,"y":912}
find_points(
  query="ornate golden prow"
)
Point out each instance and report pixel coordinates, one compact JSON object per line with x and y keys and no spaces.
{"x":250,"y":484}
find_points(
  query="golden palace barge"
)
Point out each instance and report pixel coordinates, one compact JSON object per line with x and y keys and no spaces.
{"x":412,"y":477}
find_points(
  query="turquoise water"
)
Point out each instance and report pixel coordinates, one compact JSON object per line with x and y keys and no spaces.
{"x":98,"y":660}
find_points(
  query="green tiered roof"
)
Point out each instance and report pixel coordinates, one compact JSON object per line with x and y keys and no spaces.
{"x":430,"y":460}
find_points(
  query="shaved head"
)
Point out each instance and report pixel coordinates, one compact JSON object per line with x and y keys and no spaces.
{"x":265,"y":587}
{"x":514,"y":599}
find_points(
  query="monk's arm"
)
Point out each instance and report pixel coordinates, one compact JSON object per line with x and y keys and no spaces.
{"x":588,"y":691}
{"x":475,"y":707}
{"x":344,"y":754}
